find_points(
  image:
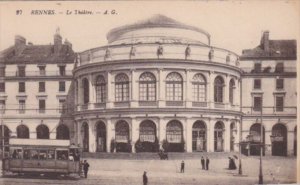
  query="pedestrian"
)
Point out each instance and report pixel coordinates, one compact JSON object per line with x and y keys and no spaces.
{"x":182,"y":167}
{"x":85,"y":168}
{"x":207,"y":163}
{"x":203,"y":163}
{"x":145,"y":178}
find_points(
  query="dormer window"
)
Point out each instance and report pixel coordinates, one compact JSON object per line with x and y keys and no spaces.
{"x":257,"y":67}
{"x":62,"y":70}
{"x":279,"y":68}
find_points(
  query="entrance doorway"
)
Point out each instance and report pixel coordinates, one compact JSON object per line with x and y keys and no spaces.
{"x":199,"y":137}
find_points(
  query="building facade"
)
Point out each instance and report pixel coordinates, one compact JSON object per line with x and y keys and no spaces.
{"x":269,"y":95}
{"x":157,"y":84}
{"x":35,"y":89}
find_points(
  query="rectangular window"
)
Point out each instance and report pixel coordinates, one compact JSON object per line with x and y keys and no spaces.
{"x":21,"y":71}
{"x":62,"y":86}
{"x":279,"y":103}
{"x":279,"y":68}
{"x":2,"y":86}
{"x":42,"y":87}
{"x":257,"y":83}
{"x":257,"y":103}
{"x":42,"y":106}
{"x":2,"y":71}
{"x":279,"y":83}
{"x":62,"y":70}
{"x":21,"y":106}
{"x":62,"y":106}
{"x":257,"y":67}
{"x":42,"y":70}
{"x":2,"y":106}
{"x":21,"y":86}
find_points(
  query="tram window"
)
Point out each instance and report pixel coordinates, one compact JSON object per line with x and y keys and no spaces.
{"x":62,"y":154}
{"x":43,"y":154}
{"x":34,"y":154}
{"x":51,"y":154}
{"x":16,"y":153}
{"x":26,"y":154}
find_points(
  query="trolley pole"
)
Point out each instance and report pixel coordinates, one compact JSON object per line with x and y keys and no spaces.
{"x":260,"y":177}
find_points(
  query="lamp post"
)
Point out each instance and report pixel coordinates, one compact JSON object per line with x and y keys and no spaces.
{"x":260,"y":177}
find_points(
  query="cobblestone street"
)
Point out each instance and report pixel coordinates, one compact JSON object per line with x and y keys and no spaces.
{"x":116,"y":171}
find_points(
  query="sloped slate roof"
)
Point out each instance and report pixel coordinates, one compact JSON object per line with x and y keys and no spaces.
{"x":38,"y":54}
{"x":155,"y":21}
{"x":278,"y":49}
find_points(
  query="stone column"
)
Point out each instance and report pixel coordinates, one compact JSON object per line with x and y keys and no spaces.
{"x":210,"y":135}
{"x":161,"y":88}
{"x":91,"y":92}
{"x":268,"y":148}
{"x":290,"y":142}
{"x":162,"y":131}
{"x":227,"y":136}
{"x":189,"y":137}
{"x":110,"y":94}
{"x":109,"y":134}
{"x":188,"y":89}
{"x":92,"y":136}
{"x":134,"y":133}
{"x":226,"y":92}
{"x":210,"y":90}
{"x":134,"y":90}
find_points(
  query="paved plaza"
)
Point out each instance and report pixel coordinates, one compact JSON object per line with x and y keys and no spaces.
{"x":166,"y":172}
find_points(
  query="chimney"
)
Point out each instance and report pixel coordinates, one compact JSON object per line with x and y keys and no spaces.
{"x":265,"y":41}
{"x":20,"y":43}
{"x":57,"y":41}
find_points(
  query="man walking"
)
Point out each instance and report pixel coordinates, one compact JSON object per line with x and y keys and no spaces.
{"x":207,"y":163}
{"x":203,"y":163}
{"x":182,"y":167}
{"x":85,"y":168}
{"x":145,"y":178}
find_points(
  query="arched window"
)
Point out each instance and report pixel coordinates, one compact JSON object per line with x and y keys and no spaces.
{"x":100,"y":137}
{"x":42,"y":132}
{"x":122,"y":132}
{"x":122,"y":87}
{"x":199,"y":88}
{"x":86,"y":91}
{"x":174,"y":132}
{"x":147,"y":87}
{"x":218,"y":89}
{"x":279,"y":145}
{"x":199,"y":136}
{"x":219,"y":136}
{"x":255,"y":136}
{"x":174,"y":87}
{"x":100,"y":89}
{"x":22,"y":131}
{"x":231,"y":91}
{"x":62,"y":132}
{"x":85,"y":136}
{"x":147,"y":131}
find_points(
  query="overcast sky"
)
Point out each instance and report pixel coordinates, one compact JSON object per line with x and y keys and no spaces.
{"x":233,"y":25}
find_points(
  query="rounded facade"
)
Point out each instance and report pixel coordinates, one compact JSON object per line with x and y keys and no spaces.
{"x":147,"y":90}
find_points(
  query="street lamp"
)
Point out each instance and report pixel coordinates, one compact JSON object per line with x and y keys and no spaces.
{"x":260,"y":177}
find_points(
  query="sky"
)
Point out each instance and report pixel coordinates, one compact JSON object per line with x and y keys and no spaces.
{"x":233,"y":25}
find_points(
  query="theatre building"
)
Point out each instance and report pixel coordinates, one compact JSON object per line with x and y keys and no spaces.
{"x":157,"y":84}
{"x":269,"y":93}
{"x":35,"y":83}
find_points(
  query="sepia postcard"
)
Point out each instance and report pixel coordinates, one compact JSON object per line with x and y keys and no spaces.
{"x":149,"y":92}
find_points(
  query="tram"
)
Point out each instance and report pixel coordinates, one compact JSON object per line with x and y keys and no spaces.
{"x":41,"y":156}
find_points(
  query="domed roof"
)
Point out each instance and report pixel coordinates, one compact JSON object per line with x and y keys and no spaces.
{"x":154,"y":22}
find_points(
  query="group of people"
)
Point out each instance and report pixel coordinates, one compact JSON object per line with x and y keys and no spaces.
{"x":205,"y":163}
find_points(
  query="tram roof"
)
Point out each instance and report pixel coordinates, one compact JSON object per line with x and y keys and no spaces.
{"x":39,"y":142}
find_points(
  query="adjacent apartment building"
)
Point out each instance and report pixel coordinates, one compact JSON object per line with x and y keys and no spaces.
{"x":157,"y":84}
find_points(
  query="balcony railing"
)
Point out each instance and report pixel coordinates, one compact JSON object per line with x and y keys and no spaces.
{"x":268,"y":70}
{"x":173,"y":51}
{"x":269,"y":110}
{"x":199,"y":104}
{"x":38,"y":73}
